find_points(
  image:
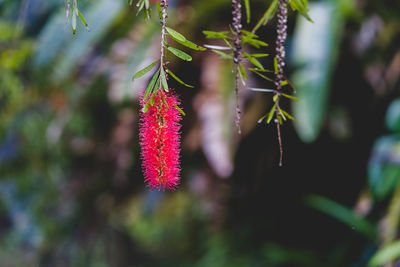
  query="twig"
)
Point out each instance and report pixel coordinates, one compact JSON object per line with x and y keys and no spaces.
{"x":237,"y":55}
{"x":280,"y":57}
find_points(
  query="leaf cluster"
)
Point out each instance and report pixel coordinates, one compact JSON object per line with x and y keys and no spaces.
{"x":159,"y":80}
{"x":297,"y":5}
{"x":76,"y":13}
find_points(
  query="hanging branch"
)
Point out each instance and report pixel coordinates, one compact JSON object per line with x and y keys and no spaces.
{"x":74,"y":14}
{"x":281,"y":30}
{"x":237,"y":54}
{"x":160,"y":111}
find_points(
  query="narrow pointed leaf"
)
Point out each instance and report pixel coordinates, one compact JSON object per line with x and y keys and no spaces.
{"x":271,"y":114}
{"x":291,"y":97}
{"x":150,"y":86}
{"x":267,"y":15}
{"x":164,"y":80}
{"x":176,"y":34}
{"x":248,"y":12}
{"x":223,"y":55}
{"x":189,"y":44}
{"x":242,"y":71}
{"x":180,"y":110}
{"x":73,"y":22}
{"x":83,"y":20}
{"x":177,"y":79}
{"x":145,"y":70}
{"x":179,"y":53}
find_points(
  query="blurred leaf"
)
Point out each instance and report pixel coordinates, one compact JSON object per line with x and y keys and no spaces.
{"x":83,"y":20}
{"x":217,"y":35}
{"x":385,"y":255}
{"x":384,"y":165}
{"x":290,"y":97}
{"x":315,"y":50}
{"x":253,"y":42}
{"x":343,"y":214}
{"x":301,"y":6}
{"x":392,"y":118}
{"x":223,"y":55}
{"x":73,"y":23}
{"x":248,"y":11}
{"x":267,"y":15}
{"x":271,"y":113}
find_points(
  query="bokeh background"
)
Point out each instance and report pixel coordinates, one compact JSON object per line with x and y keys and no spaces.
{"x":71,"y":186}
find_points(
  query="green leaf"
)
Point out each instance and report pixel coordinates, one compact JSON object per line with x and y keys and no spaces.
{"x":343,"y":214}
{"x":159,"y":10}
{"x":253,"y":42}
{"x":248,"y":12}
{"x":260,"y":70}
{"x":267,"y":15}
{"x":242,"y":74}
{"x":179,"y":53}
{"x":276,"y":65}
{"x":242,"y":71}
{"x":151,"y":85}
{"x":280,"y":119}
{"x":175,"y":34}
{"x":164,"y":80}
{"x":281,"y":113}
{"x":290,"y":97}
{"x":189,"y":44}
{"x":253,"y":60}
{"x":223,"y":55}
{"x":177,"y":79}
{"x":165,"y":102}
{"x":261,"y":75}
{"x":145,"y":70}
{"x":249,"y":34}
{"x":271,"y":114}
{"x":285,"y":82}
{"x":83,"y":20}
{"x":301,"y":7}
{"x":73,"y":22}
{"x":141,"y":5}
{"x":290,"y":117}
{"x":180,"y":110}
{"x":217,"y":35}
{"x":385,"y":255}
{"x":259,"y":55}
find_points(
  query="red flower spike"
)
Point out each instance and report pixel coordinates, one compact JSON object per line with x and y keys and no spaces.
{"x":160,"y":140}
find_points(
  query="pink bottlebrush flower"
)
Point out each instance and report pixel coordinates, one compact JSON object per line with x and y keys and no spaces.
{"x":160,"y":140}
